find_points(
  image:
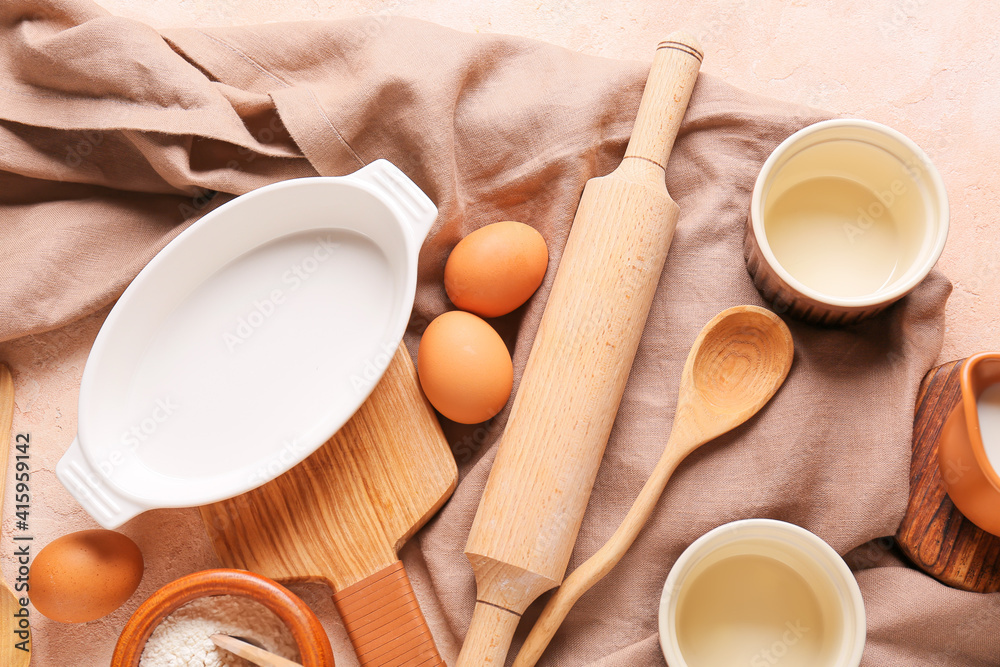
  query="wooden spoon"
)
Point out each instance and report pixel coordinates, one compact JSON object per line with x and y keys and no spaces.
{"x":735,"y":366}
{"x":246,"y":649}
{"x":10,"y":655}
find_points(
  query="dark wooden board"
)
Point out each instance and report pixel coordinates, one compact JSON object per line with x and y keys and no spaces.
{"x":934,"y":534}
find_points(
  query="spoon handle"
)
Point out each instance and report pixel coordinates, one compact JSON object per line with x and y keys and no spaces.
{"x":248,"y":651}
{"x":597,"y":566}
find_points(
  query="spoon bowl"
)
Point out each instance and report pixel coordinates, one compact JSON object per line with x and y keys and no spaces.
{"x":743,"y":362}
{"x":737,"y":363}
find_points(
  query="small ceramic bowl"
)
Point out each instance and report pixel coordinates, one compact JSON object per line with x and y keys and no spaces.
{"x":314,"y":645}
{"x":760,"y":592}
{"x":970,"y":477}
{"x":847,"y":217}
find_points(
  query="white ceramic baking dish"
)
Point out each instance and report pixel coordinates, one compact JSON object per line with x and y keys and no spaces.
{"x":246,"y":342}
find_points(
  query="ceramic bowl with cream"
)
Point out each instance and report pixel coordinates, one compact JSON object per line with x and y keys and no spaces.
{"x":847,"y":217}
{"x":760,"y":592}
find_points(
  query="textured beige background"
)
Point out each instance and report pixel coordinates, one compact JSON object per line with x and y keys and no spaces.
{"x":925,"y":67}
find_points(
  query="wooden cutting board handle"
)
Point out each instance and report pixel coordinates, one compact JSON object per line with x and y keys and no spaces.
{"x":340,"y":516}
{"x":561,"y":418}
{"x":384,"y":621}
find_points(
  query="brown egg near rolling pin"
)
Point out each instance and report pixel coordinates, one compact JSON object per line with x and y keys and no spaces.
{"x":85,"y":575}
{"x":464,"y":366}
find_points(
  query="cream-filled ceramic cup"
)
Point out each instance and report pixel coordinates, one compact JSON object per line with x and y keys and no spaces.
{"x":760,"y":592}
{"x":847,"y":216}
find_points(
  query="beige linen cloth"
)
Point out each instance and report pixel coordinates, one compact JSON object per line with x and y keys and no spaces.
{"x":112,"y":134}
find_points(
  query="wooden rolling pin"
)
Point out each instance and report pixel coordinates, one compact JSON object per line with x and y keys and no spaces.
{"x":537,"y":492}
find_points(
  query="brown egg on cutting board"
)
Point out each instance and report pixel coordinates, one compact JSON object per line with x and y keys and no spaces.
{"x":85,"y":575}
{"x":496,"y":268}
{"x":464,"y":367}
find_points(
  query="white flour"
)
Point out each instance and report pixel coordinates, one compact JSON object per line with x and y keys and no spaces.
{"x":182,"y":639}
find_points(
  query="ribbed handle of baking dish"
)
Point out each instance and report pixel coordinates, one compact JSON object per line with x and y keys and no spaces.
{"x":88,"y":486}
{"x":417,"y":207}
{"x":384,"y":621}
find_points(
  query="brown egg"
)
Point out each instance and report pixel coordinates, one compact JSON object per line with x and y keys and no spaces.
{"x":464,"y":367}
{"x":496,"y":268}
{"x":85,"y":575}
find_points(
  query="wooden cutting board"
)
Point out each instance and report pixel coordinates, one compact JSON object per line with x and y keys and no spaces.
{"x":341,"y":516}
{"x":934,"y":534}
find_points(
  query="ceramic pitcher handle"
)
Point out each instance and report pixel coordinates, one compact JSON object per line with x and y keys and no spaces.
{"x":90,"y":489}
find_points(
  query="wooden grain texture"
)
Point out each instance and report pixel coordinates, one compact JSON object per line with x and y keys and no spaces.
{"x":341,"y":515}
{"x":251,"y":653}
{"x":561,"y":417}
{"x":736,"y":364}
{"x":934,"y":534}
{"x":10,"y":655}
{"x":665,"y":99}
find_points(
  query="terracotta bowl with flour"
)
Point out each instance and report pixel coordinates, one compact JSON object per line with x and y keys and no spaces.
{"x":202,"y":587}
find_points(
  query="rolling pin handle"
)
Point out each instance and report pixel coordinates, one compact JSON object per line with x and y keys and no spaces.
{"x":671,"y":80}
{"x":489,"y":636}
